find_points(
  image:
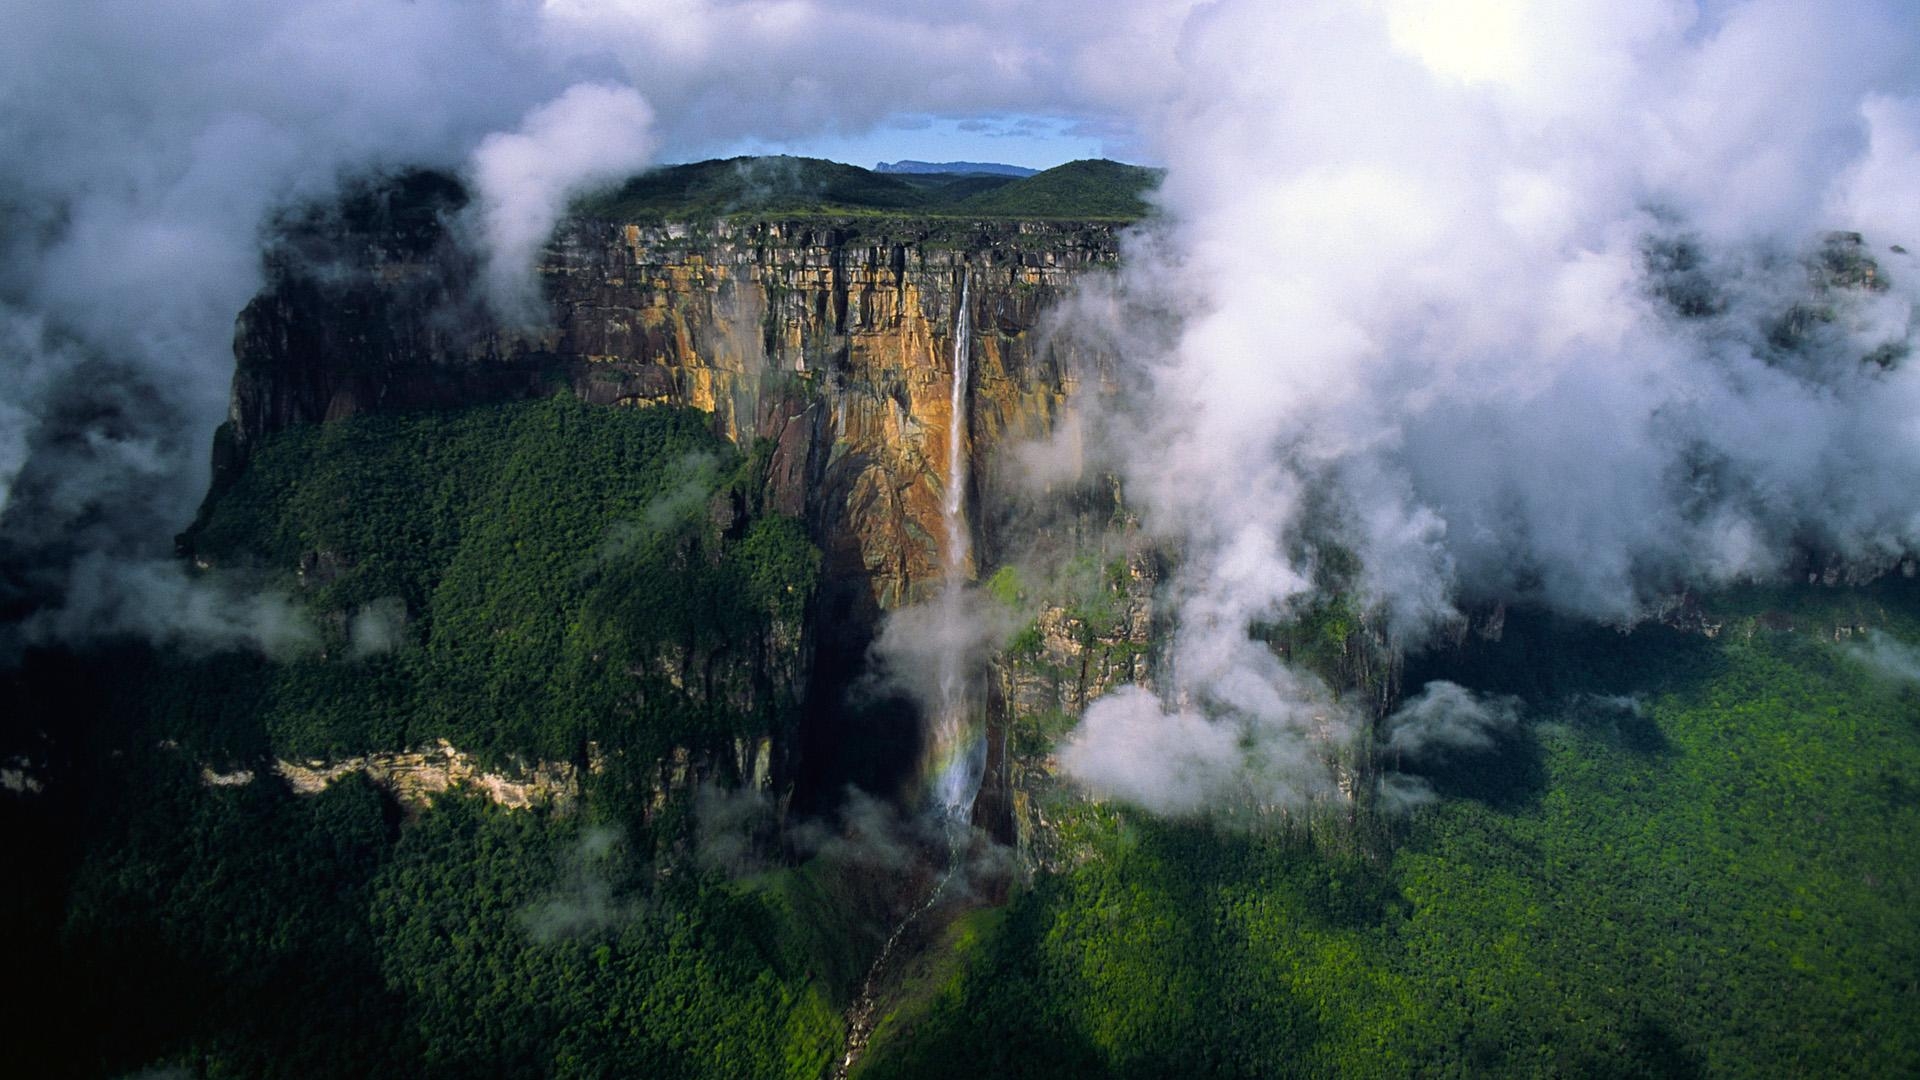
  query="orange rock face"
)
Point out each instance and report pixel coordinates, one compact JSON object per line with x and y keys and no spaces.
{"x":836,"y":346}
{"x":832,"y":341}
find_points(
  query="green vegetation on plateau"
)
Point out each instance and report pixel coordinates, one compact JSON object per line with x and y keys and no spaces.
{"x":1699,"y":857}
{"x":794,"y":186}
{"x":1094,"y":190}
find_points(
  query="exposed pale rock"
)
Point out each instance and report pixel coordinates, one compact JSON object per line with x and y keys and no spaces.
{"x":236,"y":778}
{"x":417,"y":776}
{"x":17,"y":776}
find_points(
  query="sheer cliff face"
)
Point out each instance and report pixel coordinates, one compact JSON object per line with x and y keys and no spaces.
{"x":829,"y":345}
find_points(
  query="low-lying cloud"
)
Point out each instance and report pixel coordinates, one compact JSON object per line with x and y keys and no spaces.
{"x":1285,"y":756}
{"x":584,"y":901}
{"x":593,"y":134}
{"x":1888,"y":657}
{"x":1514,"y":302}
{"x":1445,"y":720}
{"x":377,"y":627}
{"x":159,"y":601}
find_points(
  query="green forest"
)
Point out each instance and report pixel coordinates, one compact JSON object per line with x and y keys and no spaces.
{"x":1092,"y":190}
{"x":492,"y":577}
{"x":1696,"y":856}
{"x":484,"y":576}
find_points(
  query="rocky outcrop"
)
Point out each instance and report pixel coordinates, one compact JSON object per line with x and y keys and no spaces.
{"x":414,"y":778}
{"x":1073,"y":652}
{"x":19,"y":776}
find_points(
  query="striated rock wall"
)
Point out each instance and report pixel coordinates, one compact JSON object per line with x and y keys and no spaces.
{"x":829,"y":343}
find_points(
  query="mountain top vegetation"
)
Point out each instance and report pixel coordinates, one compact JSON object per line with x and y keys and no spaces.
{"x":1093,"y":189}
{"x":911,"y":166}
{"x":798,"y":186}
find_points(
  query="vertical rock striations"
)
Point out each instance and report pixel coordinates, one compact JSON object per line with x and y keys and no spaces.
{"x":827,"y":343}
{"x":824,"y":348}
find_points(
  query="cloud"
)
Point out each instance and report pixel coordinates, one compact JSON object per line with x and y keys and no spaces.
{"x":694,"y":478}
{"x":592,"y":134}
{"x":1888,"y":657}
{"x":935,"y":653}
{"x":1445,"y":720}
{"x":727,"y":823}
{"x":584,"y":904}
{"x":146,"y":149}
{"x":870,"y":835}
{"x":1441,"y":724}
{"x":959,"y":623}
{"x":160,"y":601}
{"x":1512,"y":301}
{"x":378,"y":627}
{"x":1428,"y":292}
{"x":1181,"y":761}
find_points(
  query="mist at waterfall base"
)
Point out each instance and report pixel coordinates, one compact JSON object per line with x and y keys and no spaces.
{"x":1511,"y":303}
{"x":932,"y":653}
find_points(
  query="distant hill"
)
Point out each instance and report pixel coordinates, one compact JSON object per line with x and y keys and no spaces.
{"x":753,"y":184}
{"x":991,"y":168}
{"x":1094,"y":188}
{"x":1104,"y":190}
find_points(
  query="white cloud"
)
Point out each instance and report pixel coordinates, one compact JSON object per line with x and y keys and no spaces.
{"x":592,"y":134}
{"x":1407,"y":246}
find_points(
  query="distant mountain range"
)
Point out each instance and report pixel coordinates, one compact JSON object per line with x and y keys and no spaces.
{"x":991,"y":168}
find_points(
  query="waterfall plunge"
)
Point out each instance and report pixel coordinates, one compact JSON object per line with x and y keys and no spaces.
{"x":959,"y":746}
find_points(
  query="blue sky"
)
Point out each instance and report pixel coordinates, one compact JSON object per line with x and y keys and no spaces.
{"x":1037,"y":142}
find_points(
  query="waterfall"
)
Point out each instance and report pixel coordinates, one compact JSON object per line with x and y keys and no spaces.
{"x":960,"y":745}
{"x":954,"y":511}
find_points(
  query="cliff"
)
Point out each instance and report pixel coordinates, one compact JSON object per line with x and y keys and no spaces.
{"x":826,"y":344}
{"x":823,"y":347}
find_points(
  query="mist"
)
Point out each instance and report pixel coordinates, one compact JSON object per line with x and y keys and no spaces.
{"x":584,"y":902}
{"x":594,"y":134}
{"x":1887,"y":658}
{"x":1513,"y":303}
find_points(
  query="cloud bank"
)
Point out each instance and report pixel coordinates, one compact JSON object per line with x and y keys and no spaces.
{"x":594,"y":133}
{"x":1445,"y":720}
{"x":1514,"y":302}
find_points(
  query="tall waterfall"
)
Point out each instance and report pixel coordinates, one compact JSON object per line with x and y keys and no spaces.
{"x":954,"y":512}
{"x":959,"y":744}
